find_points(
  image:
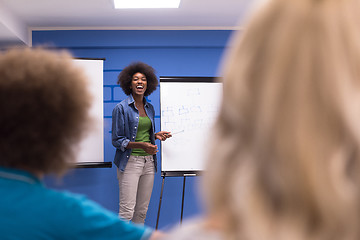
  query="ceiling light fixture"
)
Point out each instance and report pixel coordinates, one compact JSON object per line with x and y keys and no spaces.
{"x":146,"y":3}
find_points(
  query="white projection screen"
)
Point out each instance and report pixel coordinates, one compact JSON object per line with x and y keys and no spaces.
{"x":188,"y":110}
{"x":91,"y":148}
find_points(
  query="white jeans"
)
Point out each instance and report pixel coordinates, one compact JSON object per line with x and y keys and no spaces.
{"x":135,"y":188}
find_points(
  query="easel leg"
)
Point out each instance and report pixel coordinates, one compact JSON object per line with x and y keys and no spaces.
{"x":161,"y":194}
{"x":182,"y":202}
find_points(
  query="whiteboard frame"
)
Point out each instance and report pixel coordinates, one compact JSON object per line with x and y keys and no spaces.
{"x":100,"y":111}
{"x":179,"y":79}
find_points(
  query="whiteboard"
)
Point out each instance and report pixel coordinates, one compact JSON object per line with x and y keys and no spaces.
{"x":188,"y":110}
{"x":91,"y":148}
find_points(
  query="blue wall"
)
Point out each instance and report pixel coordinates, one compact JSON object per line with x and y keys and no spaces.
{"x":171,"y":53}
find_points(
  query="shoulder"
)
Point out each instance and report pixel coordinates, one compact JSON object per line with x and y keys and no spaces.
{"x":73,"y":202}
{"x":76,"y":205}
{"x":124,"y":104}
{"x":149,"y":105}
{"x":85,"y":217}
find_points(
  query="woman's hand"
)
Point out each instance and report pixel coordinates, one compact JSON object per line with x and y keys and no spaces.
{"x":162,"y":135}
{"x":149,"y":148}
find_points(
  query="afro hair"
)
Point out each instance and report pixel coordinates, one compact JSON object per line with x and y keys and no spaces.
{"x":125,"y":77}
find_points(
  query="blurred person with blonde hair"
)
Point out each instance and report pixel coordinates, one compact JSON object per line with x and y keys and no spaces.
{"x":285,"y":159}
{"x":44,"y":103}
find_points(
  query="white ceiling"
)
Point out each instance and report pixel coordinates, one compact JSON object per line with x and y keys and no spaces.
{"x":19,"y":17}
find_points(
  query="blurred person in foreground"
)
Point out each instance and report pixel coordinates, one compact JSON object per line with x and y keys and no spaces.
{"x":44,"y":105}
{"x":285,"y":157}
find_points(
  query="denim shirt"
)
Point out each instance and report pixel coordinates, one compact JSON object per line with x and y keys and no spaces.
{"x":125,"y":121}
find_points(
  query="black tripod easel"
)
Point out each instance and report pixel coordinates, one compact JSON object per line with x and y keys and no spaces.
{"x":175,"y":174}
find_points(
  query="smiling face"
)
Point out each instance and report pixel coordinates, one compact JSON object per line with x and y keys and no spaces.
{"x":138,"y":84}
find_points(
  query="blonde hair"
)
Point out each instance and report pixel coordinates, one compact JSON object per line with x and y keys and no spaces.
{"x":285,"y":159}
{"x":44,"y":102}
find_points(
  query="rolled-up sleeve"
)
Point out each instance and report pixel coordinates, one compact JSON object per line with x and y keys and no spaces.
{"x":119,"y":139}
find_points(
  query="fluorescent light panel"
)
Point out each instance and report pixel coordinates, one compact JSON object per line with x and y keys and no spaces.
{"x":146,"y":3}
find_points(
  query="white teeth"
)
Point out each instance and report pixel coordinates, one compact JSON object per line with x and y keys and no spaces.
{"x":139,"y":87}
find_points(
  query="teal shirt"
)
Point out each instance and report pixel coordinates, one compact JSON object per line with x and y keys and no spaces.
{"x":28,"y":210}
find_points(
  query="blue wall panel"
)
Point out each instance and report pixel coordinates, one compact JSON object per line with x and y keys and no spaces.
{"x":129,"y":38}
{"x":171,"y":53}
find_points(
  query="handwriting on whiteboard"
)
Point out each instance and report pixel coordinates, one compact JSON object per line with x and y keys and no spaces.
{"x":188,"y":117}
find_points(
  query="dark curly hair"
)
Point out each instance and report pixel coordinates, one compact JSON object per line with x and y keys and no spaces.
{"x":44,"y":106}
{"x":125,"y":77}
